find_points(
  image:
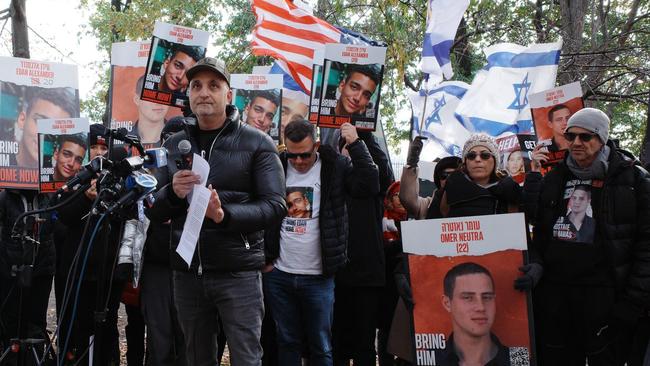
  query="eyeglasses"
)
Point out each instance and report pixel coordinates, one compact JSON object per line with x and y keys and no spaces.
{"x":303,"y":156}
{"x":584,"y":137}
{"x":472,"y":155}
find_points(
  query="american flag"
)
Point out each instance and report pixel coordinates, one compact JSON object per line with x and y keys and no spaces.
{"x":290,"y":35}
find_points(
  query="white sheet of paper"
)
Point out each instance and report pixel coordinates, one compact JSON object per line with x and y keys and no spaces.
{"x":193,"y":223}
{"x":201,"y":167}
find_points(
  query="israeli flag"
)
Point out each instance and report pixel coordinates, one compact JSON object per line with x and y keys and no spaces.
{"x":497,"y":101}
{"x":438,"y":122}
{"x":443,"y":17}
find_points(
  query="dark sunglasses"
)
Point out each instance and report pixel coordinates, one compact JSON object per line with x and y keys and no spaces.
{"x":584,"y":137}
{"x":472,"y":155}
{"x":303,"y":156}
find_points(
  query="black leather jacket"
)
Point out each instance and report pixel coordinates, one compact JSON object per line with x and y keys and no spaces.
{"x":246,"y":172}
{"x":358,"y":177}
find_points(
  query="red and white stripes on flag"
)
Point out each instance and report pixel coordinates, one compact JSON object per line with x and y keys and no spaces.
{"x":289,"y":33}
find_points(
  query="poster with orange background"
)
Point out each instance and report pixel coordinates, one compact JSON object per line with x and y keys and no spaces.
{"x":467,"y":250}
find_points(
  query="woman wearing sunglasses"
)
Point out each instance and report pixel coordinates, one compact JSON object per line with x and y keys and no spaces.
{"x":478,"y":188}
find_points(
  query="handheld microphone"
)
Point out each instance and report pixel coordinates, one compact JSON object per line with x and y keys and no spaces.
{"x":186,"y":156}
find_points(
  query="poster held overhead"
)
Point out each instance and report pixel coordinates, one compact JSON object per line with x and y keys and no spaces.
{"x":174,"y":49}
{"x":31,"y":90}
{"x":454,"y":262}
{"x":352,"y":79}
{"x":141,"y":118}
{"x":551,"y":109}
{"x":63,"y":149}
{"x":259,"y":100}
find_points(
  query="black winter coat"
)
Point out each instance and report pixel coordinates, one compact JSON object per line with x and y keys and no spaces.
{"x":339,"y":176}
{"x":14,"y":202}
{"x":367,"y":263}
{"x":247,"y":174}
{"x":466,"y":198}
{"x":623,"y":225}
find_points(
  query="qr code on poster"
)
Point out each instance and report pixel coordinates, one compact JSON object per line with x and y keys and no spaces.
{"x":519,"y":356}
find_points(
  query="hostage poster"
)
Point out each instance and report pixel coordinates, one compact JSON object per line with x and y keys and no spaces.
{"x":31,"y":90}
{"x":316,"y":85}
{"x":514,"y":160}
{"x":258,"y":97}
{"x":63,"y":149}
{"x":141,"y":118}
{"x":551,"y":110}
{"x":174,"y":49}
{"x":352,"y":79}
{"x":462,"y":272}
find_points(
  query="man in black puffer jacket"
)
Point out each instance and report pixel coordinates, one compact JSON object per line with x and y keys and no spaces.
{"x":247,"y":196}
{"x":592,"y":244}
{"x":310,"y":246}
{"x":26,"y":269}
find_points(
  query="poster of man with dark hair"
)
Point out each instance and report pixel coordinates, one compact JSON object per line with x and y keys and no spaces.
{"x":29,"y":91}
{"x":462,"y":273}
{"x":63,"y":149}
{"x":174,"y":49}
{"x":352,"y":78}
{"x":141,"y":118}
{"x":258,"y":97}
{"x":551,"y":110}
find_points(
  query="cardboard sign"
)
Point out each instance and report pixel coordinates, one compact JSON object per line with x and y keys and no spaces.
{"x":31,"y":90}
{"x":174,"y":49}
{"x":462,"y":272}
{"x":352,"y":79}
{"x":63,"y":149}
{"x":259,"y":100}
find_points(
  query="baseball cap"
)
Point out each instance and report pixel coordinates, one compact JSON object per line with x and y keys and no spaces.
{"x":209,"y":64}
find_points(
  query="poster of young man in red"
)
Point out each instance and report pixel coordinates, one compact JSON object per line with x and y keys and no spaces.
{"x":462,"y":273}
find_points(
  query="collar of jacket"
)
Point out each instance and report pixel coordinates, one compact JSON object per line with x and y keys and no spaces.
{"x":619,"y":159}
{"x":230,"y":124}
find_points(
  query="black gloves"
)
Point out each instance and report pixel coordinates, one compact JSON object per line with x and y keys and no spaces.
{"x":532,"y":274}
{"x":415,"y":148}
{"x":124,"y":272}
{"x":404,"y":289}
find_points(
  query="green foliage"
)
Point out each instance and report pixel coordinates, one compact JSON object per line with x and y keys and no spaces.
{"x":612,"y":61}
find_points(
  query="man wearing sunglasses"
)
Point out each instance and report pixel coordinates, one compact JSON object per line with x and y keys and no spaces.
{"x":303,"y":252}
{"x":595,"y":287}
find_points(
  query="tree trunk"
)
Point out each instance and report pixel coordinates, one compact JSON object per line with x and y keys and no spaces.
{"x":19,"y":39}
{"x":644,"y":156}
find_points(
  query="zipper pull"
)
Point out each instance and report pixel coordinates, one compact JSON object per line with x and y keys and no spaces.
{"x":200,"y":269}
{"x":246,"y":244}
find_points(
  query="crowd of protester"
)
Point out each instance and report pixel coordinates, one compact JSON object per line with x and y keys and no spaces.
{"x":299,"y":258}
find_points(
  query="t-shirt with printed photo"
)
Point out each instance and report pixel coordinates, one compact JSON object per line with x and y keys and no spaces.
{"x":577,"y":224}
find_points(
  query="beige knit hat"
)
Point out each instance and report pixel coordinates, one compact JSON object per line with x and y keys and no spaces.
{"x":481,"y":139}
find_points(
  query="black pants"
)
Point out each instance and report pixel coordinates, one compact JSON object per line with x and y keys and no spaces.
{"x":134,"y":336}
{"x":356,"y":314}
{"x":571,"y":324}
{"x":164,"y":336}
{"x":105,"y":345}
{"x":23,"y":314}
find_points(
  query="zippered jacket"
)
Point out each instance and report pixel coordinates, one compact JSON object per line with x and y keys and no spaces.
{"x":246,"y":172}
{"x":17,"y":252}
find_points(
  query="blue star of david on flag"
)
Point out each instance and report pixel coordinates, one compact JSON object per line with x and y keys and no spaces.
{"x":521,"y":94}
{"x":435,"y":115}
